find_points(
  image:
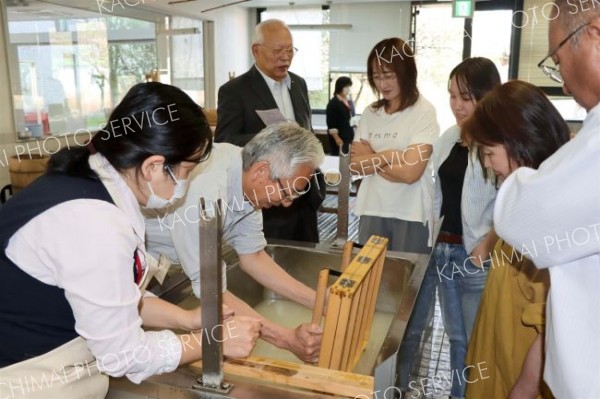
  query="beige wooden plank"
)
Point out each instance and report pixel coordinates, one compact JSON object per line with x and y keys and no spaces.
{"x":320,"y":299}
{"x":353,"y":332}
{"x":377,"y":272}
{"x":346,"y":255}
{"x":299,"y":376}
{"x":360,"y":321}
{"x":331,"y":321}
{"x":340,"y":344}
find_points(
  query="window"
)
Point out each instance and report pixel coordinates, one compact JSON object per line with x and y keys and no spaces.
{"x":439,"y":47}
{"x":340,"y":49}
{"x":350,"y":48}
{"x":361,"y":94}
{"x":491,"y":38}
{"x":534,"y":42}
{"x":312,"y":60}
{"x":534,"y":25}
{"x":72,"y":66}
{"x":187,"y":63}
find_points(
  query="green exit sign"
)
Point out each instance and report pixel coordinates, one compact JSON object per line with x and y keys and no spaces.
{"x":463,"y":8}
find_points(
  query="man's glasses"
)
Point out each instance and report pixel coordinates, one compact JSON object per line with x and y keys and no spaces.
{"x":553,"y":72}
{"x":290,"y":197}
{"x":278,"y":52}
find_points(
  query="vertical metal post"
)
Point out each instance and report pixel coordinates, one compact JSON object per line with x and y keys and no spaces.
{"x":210,"y":95}
{"x":343,"y":199}
{"x":211,"y":283}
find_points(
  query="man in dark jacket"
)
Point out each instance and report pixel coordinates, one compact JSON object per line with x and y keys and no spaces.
{"x":265,"y":94}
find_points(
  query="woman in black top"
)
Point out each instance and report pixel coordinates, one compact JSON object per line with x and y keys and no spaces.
{"x":339,"y":111}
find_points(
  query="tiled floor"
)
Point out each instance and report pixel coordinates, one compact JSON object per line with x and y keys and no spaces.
{"x":328,"y":221}
{"x":434,"y":361}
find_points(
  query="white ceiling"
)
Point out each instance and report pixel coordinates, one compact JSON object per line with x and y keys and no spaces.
{"x":196,"y":7}
{"x":267,"y":3}
{"x":144,"y":9}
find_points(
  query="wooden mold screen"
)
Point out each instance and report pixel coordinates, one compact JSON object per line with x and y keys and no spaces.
{"x":351,"y":307}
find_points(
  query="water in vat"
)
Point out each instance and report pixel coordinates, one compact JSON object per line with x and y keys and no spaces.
{"x":290,"y":314}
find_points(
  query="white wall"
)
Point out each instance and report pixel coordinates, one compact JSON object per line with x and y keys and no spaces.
{"x":233,"y":27}
{"x":371,"y":22}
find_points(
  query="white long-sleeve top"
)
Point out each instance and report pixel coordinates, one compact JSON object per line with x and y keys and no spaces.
{"x":552,"y":216}
{"x":86,"y":247}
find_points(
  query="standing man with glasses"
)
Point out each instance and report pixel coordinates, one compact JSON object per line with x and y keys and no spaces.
{"x":556,"y":209}
{"x":266,"y":93}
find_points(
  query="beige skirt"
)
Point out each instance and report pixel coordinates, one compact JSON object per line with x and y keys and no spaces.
{"x":67,"y":372}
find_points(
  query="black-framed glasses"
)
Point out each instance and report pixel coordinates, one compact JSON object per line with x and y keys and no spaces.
{"x":290,"y":197}
{"x":278,"y":52}
{"x":551,"y":71}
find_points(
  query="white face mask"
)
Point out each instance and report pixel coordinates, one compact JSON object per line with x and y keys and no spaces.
{"x":156,"y":202}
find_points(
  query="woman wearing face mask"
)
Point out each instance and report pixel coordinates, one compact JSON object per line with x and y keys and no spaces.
{"x":465,"y":200}
{"x":339,"y":112}
{"x":508,"y":334}
{"x":73,"y":254}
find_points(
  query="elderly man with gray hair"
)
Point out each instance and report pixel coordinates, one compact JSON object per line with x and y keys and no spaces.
{"x":273,"y":169}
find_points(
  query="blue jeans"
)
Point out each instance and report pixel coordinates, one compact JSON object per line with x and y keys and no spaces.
{"x":419,"y":319}
{"x":460,"y":284}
